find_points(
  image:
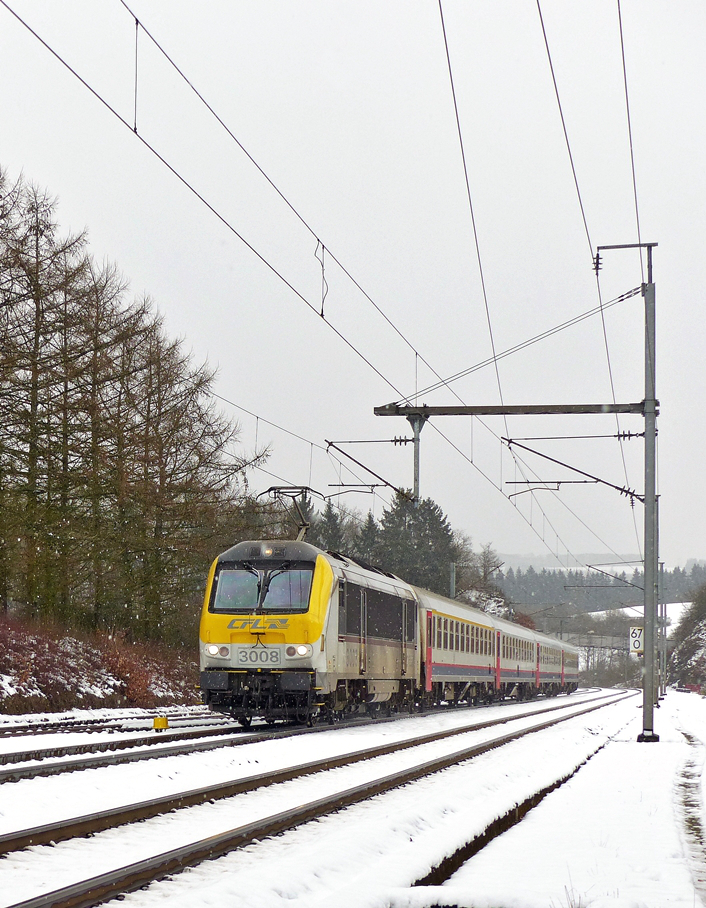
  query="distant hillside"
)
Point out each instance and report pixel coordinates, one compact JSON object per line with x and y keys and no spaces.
{"x":688,"y":662}
{"x":566,"y":592}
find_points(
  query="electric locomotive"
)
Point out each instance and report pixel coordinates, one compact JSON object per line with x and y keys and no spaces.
{"x":289,"y":631}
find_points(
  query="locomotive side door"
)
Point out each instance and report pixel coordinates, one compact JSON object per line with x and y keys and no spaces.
{"x":363,"y":666}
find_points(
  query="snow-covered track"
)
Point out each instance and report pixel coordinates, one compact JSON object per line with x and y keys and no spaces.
{"x":93,"y":755}
{"x":96,"y":822}
{"x":115,"y":720}
{"x":153,"y":740}
{"x":156,"y":745}
{"x":106,"y":885}
{"x":443,"y":872}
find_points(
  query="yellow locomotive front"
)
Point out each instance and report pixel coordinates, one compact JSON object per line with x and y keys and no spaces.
{"x":261,"y":637}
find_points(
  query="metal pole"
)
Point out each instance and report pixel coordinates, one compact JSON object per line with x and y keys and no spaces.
{"x":452,"y":581}
{"x":650,"y":575}
{"x":416,"y":421}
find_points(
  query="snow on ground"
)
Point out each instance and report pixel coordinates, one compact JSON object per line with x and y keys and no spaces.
{"x":32,"y":802}
{"x":619,"y":838}
{"x":614,"y":835}
{"x":353,"y":857}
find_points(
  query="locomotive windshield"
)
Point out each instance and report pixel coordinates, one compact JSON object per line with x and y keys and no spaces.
{"x":247,"y":587}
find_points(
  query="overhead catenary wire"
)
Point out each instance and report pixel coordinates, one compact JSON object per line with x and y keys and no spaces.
{"x":182,"y":179}
{"x":283,"y":197}
{"x":590,"y":245}
{"x":192,"y":189}
{"x":289,"y":432}
{"x":447,"y":382}
{"x":494,"y":358}
{"x":470,"y":205}
{"x":632,"y":151}
{"x":333,"y":257}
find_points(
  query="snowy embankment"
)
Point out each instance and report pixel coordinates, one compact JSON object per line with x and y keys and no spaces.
{"x":45,"y":669}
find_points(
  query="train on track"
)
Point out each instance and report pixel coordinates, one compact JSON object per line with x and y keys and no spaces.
{"x":291,"y":632}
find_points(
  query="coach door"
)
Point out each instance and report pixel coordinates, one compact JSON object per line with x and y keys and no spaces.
{"x":428,"y":661}
{"x":536,"y":676}
{"x":403,"y":637}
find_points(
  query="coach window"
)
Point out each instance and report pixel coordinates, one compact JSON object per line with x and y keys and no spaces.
{"x":446,"y":633}
{"x":439,"y":632}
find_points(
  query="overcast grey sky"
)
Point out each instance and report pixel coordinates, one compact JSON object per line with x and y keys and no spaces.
{"x":347,"y":106}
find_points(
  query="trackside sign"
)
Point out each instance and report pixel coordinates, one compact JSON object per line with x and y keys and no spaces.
{"x":636,"y":640}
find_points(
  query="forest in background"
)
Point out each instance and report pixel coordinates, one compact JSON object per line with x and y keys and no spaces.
{"x":575,"y":592}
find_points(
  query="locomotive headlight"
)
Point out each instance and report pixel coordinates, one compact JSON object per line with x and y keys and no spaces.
{"x":214,"y":650}
{"x":304,"y":649}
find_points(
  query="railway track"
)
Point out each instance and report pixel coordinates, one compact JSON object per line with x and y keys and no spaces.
{"x":137,"y":874}
{"x":97,"y":752}
{"x":117,"y":721}
{"x":93,"y":755}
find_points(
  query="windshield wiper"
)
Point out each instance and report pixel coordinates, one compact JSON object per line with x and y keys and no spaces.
{"x":268,"y":580}
{"x":248,"y":567}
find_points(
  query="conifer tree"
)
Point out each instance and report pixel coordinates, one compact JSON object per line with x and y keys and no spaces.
{"x":417,"y":543}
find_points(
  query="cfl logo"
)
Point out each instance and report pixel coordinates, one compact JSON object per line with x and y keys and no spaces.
{"x":259,"y":624}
